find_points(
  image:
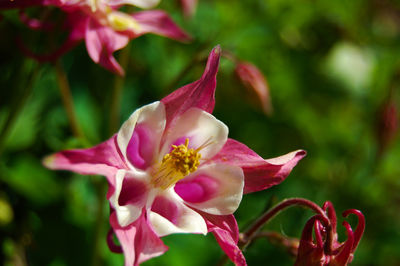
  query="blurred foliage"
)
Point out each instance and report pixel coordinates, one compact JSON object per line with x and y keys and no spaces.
{"x":331,"y":67}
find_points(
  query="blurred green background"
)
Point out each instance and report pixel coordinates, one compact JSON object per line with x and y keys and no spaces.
{"x":332,"y":68}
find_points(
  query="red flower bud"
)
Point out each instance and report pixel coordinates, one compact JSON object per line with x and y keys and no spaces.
{"x":252,"y":78}
{"x":325,"y":249}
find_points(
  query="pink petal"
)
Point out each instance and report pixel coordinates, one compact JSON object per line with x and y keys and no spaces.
{"x":255,"y":81}
{"x":138,"y":240}
{"x":103,"y":159}
{"x":101,"y":42}
{"x":130,"y":195}
{"x":189,"y":7}
{"x":139,"y":137}
{"x":198,"y":94}
{"x":226,"y":232}
{"x":259,"y":174}
{"x":214,"y":188}
{"x":158,"y":22}
{"x":169,"y":215}
{"x":139,"y":150}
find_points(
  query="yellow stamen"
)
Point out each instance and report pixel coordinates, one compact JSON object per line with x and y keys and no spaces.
{"x":177,"y":164}
{"x":121,"y":21}
{"x":93,"y":5}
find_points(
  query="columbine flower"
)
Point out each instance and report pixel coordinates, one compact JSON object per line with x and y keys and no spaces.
{"x":326,"y":249}
{"x":104,"y":28}
{"x":172,"y":169}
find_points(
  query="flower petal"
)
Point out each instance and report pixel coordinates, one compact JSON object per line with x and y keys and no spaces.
{"x":158,"y":22}
{"x":101,"y":42}
{"x":259,"y":173}
{"x":189,"y":7}
{"x":139,"y":137}
{"x":138,"y":240}
{"x":214,"y":189}
{"x":130,"y":196}
{"x":138,"y":3}
{"x":202,"y":129}
{"x":226,"y":232}
{"x":170,"y":215}
{"x":103,"y":159}
{"x":198,"y":94}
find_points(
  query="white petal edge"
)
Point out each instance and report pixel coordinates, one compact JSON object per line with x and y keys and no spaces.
{"x":202,"y":127}
{"x":231,"y":183}
{"x":153,"y":115}
{"x":138,"y":3}
{"x":189,"y":222}
{"x":126,"y":214}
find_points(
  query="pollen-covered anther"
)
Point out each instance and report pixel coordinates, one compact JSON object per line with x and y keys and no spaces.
{"x":177,"y":164}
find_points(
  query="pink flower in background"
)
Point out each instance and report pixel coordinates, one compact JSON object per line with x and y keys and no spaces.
{"x":104,"y":28}
{"x":189,"y":7}
{"x":326,"y":249}
{"x":171,"y":168}
{"x":252,"y":78}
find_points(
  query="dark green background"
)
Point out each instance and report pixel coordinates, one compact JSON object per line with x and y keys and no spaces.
{"x":330,"y":66}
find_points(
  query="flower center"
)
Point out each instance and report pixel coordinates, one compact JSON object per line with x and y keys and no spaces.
{"x":177,"y":164}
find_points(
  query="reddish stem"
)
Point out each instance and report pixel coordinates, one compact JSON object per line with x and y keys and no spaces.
{"x":251,"y":232}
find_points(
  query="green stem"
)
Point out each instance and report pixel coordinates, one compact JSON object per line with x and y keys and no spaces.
{"x":19,"y":103}
{"x":116,"y":95}
{"x":101,"y":186}
{"x":67,"y":100}
{"x":199,"y":58}
{"x":98,"y":234}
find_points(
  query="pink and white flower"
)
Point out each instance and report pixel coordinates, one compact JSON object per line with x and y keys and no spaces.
{"x":104,"y":28}
{"x":171,"y":168}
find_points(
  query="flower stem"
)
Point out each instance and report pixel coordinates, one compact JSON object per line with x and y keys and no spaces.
{"x":290,"y":244}
{"x":98,"y":234}
{"x":20,"y":101}
{"x":116,"y":95}
{"x":196,"y":59}
{"x":67,"y":100}
{"x":267,"y":216}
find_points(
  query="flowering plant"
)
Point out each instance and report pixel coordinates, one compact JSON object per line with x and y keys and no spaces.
{"x":171,"y":168}
{"x":102,"y":25}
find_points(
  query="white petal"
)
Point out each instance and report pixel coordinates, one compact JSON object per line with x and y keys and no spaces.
{"x":138,"y":3}
{"x":215,"y":188}
{"x":128,"y":213}
{"x":153,"y":116}
{"x":186,"y":220}
{"x":201,"y":128}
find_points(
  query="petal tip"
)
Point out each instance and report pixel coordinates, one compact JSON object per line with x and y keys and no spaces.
{"x":48,"y":161}
{"x":217,"y":50}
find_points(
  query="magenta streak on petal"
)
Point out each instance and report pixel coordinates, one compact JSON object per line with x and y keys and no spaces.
{"x":259,"y":173}
{"x":166,"y":208}
{"x":226,"y":232}
{"x":158,"y":22}
{"x":133,"y":191}
{"x":198,"y":94}
{"x":138,"y":240}
{"x":199,"y":189}
{"x":139,"y":150}
{"x":103,"y":159}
